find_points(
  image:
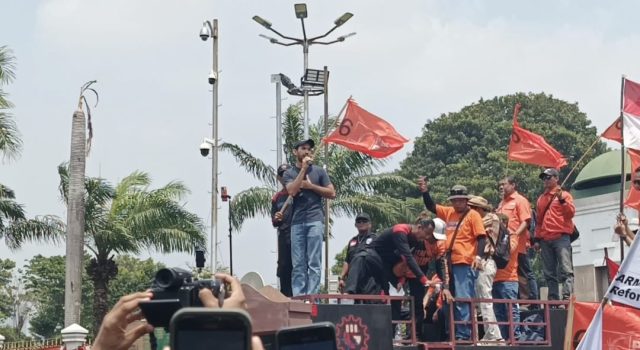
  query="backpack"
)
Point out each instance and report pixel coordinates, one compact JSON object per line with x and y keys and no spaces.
{"x":502,"y":247}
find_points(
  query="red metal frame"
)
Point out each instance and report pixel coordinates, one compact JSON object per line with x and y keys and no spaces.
{"x":451,"y":344}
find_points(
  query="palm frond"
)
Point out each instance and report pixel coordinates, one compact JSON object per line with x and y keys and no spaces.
{"x":378,"y":183}
{"x":10,"y":142}
{"x":384,"y":210}
{"x":6,"y":192}
{"x":249,"y":204}
{"x":40,"y":229}
{"x":136,"y":181}
{"x":253,"y":165}
{"x":7,"y":65}
{"x":292,"y":130}
{"x":11,"y":210}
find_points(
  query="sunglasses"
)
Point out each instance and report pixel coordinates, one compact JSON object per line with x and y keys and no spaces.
{"x":547,"y":177}
{"x":636,"y":182}
{"x":362,"y":221}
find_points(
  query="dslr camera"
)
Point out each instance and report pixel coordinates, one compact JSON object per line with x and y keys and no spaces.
{"x":174,"y":288}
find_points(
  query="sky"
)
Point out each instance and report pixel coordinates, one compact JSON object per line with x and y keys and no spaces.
{"x":409,"y":62}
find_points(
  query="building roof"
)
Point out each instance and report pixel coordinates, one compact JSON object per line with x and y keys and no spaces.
{"x":601,"y":175}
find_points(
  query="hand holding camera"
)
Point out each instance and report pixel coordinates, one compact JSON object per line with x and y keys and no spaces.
{"x":113,"y":334}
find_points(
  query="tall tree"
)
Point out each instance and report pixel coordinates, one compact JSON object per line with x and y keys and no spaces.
{"x":353,"y":174}
{"x":75,"y":208}
{"x":470,"y":146}
{"x":127,"y":219}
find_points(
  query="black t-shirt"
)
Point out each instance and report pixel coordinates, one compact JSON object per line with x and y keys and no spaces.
{"x":357,"y":243}
{"x":396,"y":244}
{"x":307,"y":204}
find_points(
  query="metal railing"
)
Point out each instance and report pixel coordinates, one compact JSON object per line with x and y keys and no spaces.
{"x":33,"y":344}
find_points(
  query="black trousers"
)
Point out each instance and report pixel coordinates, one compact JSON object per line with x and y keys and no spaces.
{"x":366,"y":274}
{"x":285,"y":265}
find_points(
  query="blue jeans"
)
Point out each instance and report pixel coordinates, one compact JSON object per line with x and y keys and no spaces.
{"x":557,"y":258}
{"x":306,"y":256}
{"x":526,"y":270}
{"x":464,"y":281}
{"x":506,"y":290}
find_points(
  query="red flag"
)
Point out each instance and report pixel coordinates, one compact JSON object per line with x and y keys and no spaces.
{"x":528,"y":147}
{"x":614,"y":131}
{"x":614,"y":327}
{"x":631,"y":114}
{"x":366,"y":133}
{"x":612,"y":267}
{"x":633,"y":198}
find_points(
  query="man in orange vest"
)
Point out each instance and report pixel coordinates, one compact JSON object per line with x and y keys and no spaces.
{"x":555,"y":211}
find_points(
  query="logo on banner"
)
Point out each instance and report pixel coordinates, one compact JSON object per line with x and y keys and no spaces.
{"x":352,"y":333}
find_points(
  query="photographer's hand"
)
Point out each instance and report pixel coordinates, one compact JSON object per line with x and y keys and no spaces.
{"x":113,"y":334}
{"x":236,"y":300}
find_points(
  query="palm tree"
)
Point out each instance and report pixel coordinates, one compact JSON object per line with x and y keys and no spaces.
{"x":75,"y":208}
{"x":15,"y":228}
{"x":127,"y":219}
{"x":353,"y":174}
{"x":10,"y":142}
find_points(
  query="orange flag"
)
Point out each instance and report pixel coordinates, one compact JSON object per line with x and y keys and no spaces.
{"x":614,"y":131}
{"x":633,"y":198}
{"x":366,"y":133}
{"x":531,"y":148}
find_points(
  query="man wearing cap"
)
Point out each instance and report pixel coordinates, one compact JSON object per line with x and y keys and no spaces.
{"x":484,"y":283}
{"x":356,"y":244}
{"x":518,"y":210}
{"x":555,"y":211}
{"x":464,"y":251}
{"x":281,"y":219}
{"x":307,"y":184}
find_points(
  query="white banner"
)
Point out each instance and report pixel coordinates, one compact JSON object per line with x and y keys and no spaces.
{"x":625,"y":288}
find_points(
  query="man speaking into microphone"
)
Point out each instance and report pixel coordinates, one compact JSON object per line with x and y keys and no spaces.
{"x":307,"y":184}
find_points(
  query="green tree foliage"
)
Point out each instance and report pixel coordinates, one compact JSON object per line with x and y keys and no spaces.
{"x":469,"y":147}
{"x":336,"y":269}
{"x":6,"y":273}
{"x":44,"y":282}
{"x":10,"y":142}
{"x":128,"y":218}
{"x":354,"y":175}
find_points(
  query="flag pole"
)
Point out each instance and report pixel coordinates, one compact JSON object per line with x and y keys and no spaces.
{"x":579,"y":161}
{"x":326,"y":168}
{"x":516,"y":111}
{"x":623,"y":172}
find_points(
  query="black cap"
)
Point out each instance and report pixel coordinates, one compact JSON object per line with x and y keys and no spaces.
{"x":550,"y":172}
{"x":304,"y":142}
{"x":282,"y":168}
{"x":364,"y":216}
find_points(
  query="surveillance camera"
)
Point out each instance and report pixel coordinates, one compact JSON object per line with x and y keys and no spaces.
{"x":204,"y":36}
{"x":204,"y":149}
{"x":213,"y":77}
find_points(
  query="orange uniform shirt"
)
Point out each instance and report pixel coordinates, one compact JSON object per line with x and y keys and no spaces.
{"x":558,"y":219}
{"x":517,"y":209}
{"x":510,"y":272}
{"x":464,"y":248}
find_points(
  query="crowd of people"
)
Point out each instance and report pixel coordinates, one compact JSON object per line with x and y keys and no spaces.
{"x":453,"y":244}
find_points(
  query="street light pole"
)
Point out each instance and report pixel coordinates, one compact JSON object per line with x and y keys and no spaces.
{"x":211,"y":31}
{"x":301,"y":13}
{"x":276,"y":78}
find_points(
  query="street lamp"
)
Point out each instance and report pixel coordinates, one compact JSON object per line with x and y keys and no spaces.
{"x":305,"y":42}
{"x":210,"y":30}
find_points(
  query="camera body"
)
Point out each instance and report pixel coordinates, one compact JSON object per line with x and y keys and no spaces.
{"x":173,"y":289}
{"x":176,"y":283}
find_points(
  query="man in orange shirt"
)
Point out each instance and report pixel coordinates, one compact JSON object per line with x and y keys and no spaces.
{"x":464,"y":252}
{"x":518,"y":210}
{"x":555,"y":211}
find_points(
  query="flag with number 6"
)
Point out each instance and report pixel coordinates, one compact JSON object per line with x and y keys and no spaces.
{"x":361,"y":131}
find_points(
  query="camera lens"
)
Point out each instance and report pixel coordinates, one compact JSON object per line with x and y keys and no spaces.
{"x":171,"y":278}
